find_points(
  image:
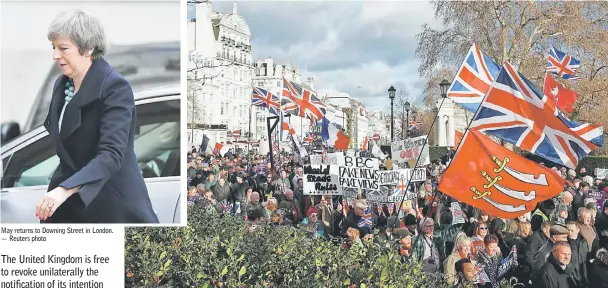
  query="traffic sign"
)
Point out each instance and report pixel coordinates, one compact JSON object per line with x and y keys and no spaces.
{"x":376,"y":137}
{"x":236,"y":134}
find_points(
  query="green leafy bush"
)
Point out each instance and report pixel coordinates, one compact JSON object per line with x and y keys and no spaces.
{"x":224,"y":251}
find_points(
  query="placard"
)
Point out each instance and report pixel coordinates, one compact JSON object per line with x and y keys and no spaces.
{"x":600,"y":173}
{"x":336,"y":158}
{"x":358,"y":172}
{"x":394,"y":177}
{"x":316,"y":159}
{"x":408,"y":150}
{"x":318,"y":180}
{"x":458,"y":216}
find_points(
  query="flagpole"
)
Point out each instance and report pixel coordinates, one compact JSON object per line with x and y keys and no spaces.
{"x":249,"y":132}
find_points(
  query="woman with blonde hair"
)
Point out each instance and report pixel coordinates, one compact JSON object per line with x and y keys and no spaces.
{"x":462,"y":250}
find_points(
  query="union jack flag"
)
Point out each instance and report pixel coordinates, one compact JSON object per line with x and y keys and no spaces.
{"x":562,"y":64}
{"x":366,"y":219}
{"x":265,"y":99}
{"x":473,"y":79}
{"x":301,"y":102}
{"x":516,"y":111}
{"x":414,"y":125}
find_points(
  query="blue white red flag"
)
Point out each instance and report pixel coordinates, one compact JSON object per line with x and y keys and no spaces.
{"x":366,"y":219}
{"x":516,"y":111}
{"x":473,"y":79}
{"x":263,"y":98}
{"x":562,"y":65}
{"x":301,"y":102}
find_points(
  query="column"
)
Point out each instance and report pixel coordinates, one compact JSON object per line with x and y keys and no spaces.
{"x":450,"y":133}
{"x":440,"y":131}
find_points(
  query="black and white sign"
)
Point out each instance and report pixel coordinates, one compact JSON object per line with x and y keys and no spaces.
{"x":359,"y":172}
{"x":319,"y":181}
{"x":394,"y":177}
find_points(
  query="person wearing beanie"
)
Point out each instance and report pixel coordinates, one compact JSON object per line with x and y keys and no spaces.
{"x":558,"y":233}
{"x":405,"y":242}
{"x":410,"y":223}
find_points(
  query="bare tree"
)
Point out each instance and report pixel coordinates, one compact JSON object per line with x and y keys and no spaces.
{"x":522,"y":32}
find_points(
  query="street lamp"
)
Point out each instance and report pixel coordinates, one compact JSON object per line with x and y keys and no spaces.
{"x":407,"y":109}
{"x":444,"y":85}
{"x":391,"y":95}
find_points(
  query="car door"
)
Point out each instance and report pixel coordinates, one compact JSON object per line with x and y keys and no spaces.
{"x":29,"y":165}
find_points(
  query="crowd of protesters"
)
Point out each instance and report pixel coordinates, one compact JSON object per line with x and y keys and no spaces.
{"x":562,"y":243}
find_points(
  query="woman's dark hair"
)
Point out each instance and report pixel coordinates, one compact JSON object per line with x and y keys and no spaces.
{"x":489,"y":239}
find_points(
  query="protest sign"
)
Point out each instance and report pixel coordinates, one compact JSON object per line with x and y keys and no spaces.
{"x":408,"y":150}
{"x":394,"y":177}
{"x":598,"y":196}
{"x":458,"y":215}
{"x":336,"y":158}
{"x":509,"y":262}
{"x":601,"y":173}
{"x":316,"y":159}
{"x":476,"y":246}
{"x":358,"y":172}
{"x":318,"y":181}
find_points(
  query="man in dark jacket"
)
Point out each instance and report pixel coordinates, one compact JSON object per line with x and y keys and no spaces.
{"x":556,"y":273}
{"x":579,"y":254}
{"x":558,"y":234}
{"x":352,"y":221}
{"x":237,"y":192}
{"x":538,"y":239}
{"x":601,"y":226}
{"x":221,"y":191}
{"x":598,"y":270}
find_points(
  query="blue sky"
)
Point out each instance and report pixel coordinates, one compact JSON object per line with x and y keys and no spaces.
{"x":341,"y":44}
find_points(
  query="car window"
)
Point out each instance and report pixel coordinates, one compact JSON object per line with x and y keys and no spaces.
{"x":141,"y":66}
{"x":156,"y":146}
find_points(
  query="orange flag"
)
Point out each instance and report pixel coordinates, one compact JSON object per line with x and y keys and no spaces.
{"x":488,"y":176}
{"x":457,"y":138}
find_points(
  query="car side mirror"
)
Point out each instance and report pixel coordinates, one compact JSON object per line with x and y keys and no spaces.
{"x":9,"y":131}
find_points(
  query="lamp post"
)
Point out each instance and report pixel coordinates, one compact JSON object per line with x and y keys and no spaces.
{"x":444,"y":85}
{"x":391,"y":95}
{"x":407,"y":118}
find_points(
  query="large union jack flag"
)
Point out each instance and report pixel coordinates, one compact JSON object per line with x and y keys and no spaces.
{"x":366,"y":219}
{"x":301,"y":102}
{"x":562,"y":64}
{"x":516,"y":111}
{"x":265,"y":99}
{"x":473,"y":79}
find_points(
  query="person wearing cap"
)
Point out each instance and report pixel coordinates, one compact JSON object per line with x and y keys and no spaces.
{"x":352,"y":220}
{"x":558,"y":233}
{"x":404,"y":242}
{"x":542,"y":213}
{"x":601,"y":225}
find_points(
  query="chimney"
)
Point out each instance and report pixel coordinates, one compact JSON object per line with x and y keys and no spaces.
{"x":311,"y":82}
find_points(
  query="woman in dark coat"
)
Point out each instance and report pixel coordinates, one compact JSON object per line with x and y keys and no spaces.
{"x":91,"y":122}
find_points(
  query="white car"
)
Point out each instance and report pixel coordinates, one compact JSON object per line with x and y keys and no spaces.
{"x":29,"y":160}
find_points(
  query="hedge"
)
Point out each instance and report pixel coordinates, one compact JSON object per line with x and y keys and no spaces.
{"x":224,"y":251}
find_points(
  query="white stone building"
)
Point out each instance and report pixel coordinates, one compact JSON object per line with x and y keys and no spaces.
{"x":451,"y":117}
{"x":378,"y":124}
{"x":219,"y":45}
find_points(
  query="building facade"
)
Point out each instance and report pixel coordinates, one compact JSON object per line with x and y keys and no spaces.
{"x":450,"y":117}
{"x":220,"y":70}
